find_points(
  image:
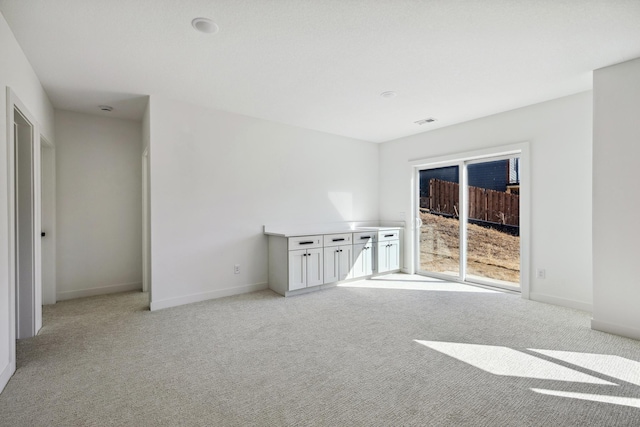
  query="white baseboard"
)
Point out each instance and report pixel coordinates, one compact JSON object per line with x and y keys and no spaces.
{"x":320,"y":287}
{"x":218,"y":293}
{"x":6,"y":374}
{"x":562,"y":302}
{"x":616,"y":329}
{"x":81,"y":293}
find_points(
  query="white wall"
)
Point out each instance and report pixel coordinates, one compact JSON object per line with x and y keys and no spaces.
{"x":616,"y":199}
{"x":559,"y":133}
{"x":99,"y":202}
{"x":217,"y":178}
{"x":16,"y":73}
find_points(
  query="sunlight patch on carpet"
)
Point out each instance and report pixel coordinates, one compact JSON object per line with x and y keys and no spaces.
{"x":414,"y":285}
{"x":506,"y":361}
{"x":610,"y":365}
{"x":615,"y":400}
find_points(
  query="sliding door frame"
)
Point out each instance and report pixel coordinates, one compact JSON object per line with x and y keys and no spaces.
{"x":418,"y":221}
{"x":461,"y":160}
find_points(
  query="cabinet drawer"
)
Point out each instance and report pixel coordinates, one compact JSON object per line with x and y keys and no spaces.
{"x":388,"y":235}
{"x":365,"y":237}
{"x":337,"y":239}
{"x":305,"y":242}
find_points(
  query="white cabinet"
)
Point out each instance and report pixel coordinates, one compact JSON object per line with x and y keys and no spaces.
{"x":305,"y":268}
{"x":337,"y":263}
{"x":363,"y":260}
{"x":337,"y":239}
{"x":388,"y":251}
{"x":338,"y":257}
{"x":388,"y":256}
{"x":297,"y":262}
{"x":364,"y":249}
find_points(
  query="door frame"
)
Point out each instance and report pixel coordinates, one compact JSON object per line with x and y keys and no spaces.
{"x":459,"y":159}
{"x":146,"y":224}
{"x":14,"y":104}
{"x":48,"y":219}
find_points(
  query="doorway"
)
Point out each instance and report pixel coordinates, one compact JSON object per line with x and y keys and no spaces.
{"x":468,"y":220}
{"x":48,"y":220}
{"x":24,"y":226}
{"x":25,"y":217}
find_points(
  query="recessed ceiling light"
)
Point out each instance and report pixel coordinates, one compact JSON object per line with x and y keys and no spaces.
{"x":105,"y":107}
{"x":388,"y":94}
{"x":425,"y":121}
{"x":205,"y":25}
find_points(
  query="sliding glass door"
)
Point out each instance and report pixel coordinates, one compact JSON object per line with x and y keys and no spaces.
{"x":438,"y":212}
{"x":493,"y":222}
{"x":469,"y":221}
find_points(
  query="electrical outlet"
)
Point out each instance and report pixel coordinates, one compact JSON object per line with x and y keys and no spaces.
{"x":236,"y":269}
{"x":541,"y":273}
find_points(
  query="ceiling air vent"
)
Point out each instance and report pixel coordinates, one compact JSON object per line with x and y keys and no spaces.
{"x":424,"y":121}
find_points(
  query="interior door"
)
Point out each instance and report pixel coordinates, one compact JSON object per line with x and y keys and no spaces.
{"x":24,"y":214}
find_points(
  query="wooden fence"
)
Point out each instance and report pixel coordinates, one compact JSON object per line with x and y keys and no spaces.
{"x":484,"y":205}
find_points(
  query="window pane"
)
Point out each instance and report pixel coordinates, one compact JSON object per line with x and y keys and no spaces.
{"x":493,"y":229}
{"x":439,"y":212}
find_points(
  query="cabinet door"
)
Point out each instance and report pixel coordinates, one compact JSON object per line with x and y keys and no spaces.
{"x":362,"y":260}
{"x":297,"y":269}
{"x":331,"y":264}
{"x":368,"y":259}
{"x":359,"y":255}
{"x":314,"y":267}
{"x":394,"y":255}
{"x":373,"y":256}
{"x":383,"y":257}
{"x":346,"y":261}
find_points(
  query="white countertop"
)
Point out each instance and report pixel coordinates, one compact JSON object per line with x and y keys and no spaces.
{"x":284,"y":232}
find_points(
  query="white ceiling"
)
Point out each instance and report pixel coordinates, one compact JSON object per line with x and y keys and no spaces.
{"x":322,"y":64}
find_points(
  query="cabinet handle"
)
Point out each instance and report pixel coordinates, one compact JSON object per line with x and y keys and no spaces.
{"x":364,"y":237}
{"x":309,"y":242}
{"x":337,"y":240}
{"x":389,"y":235}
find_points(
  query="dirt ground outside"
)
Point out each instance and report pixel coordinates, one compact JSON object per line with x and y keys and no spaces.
{"x":491,"y":254}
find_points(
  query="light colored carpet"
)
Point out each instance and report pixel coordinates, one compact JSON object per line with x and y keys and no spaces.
{"x":391,"y":352}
